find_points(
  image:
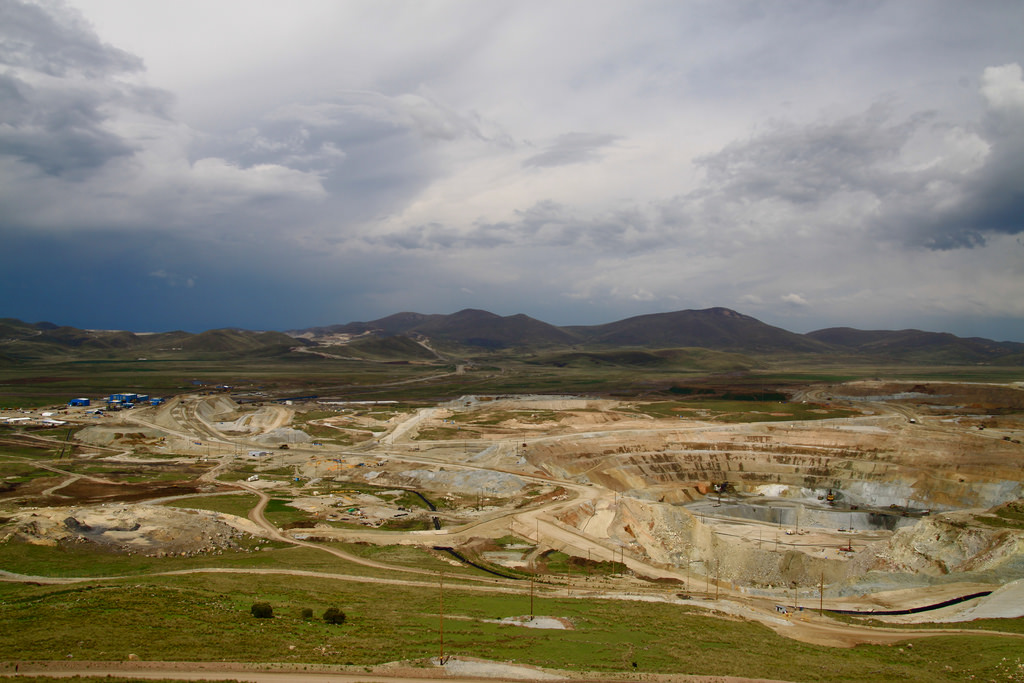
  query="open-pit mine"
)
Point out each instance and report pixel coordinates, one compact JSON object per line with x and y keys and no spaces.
{"x":867,"y":497}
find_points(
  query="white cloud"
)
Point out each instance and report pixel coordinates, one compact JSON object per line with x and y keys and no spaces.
{"x":172,"y":279}
{"x":221,"y":180}
{"x":1003,"y":86}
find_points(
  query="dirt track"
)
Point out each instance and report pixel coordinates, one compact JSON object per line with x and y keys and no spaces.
{"x":461,"y":669}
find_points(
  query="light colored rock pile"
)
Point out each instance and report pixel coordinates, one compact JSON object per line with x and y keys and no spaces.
{"x":462,"y":481}
{"x":946,"y":544}
{"x":147,"y":529}
{"x":283,"y":435}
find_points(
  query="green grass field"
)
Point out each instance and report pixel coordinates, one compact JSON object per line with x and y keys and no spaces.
{"x":237,"y":504}
{"x":84,"y":561}
{"x":23,"y":678}
{"x":206,"y":618}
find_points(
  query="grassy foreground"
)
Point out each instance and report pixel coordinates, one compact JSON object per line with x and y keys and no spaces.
{"x":206,"y":618}
{"x":97,"y":679}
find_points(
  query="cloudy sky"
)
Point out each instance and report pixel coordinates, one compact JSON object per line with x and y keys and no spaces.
{"x":270,"y":165}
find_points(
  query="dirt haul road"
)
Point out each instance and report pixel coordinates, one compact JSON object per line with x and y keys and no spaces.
{"x":462,"y":669}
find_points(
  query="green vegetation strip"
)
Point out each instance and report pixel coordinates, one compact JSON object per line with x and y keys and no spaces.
{"x":22,"y":678}
{"x":741,"y":411}
{"x":84,"y":561}
{"x":1002,"y":625}
{"x":207,"y":618}
{"x":237,"y":504}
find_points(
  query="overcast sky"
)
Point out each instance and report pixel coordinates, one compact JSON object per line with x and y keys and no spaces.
{"x":270,"y":165}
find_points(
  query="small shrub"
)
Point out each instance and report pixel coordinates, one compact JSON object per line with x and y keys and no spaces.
{"x":262,"y":610}
{"x":333,"y":615}
{"x":307,"y":613}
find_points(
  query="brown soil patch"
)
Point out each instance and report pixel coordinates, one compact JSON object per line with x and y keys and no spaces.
{"x":84,"y":491}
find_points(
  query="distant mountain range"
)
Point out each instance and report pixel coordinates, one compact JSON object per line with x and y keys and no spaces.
{"x":25,"y":342}
{"x":415,"y":336}
{"x":719,"y":329}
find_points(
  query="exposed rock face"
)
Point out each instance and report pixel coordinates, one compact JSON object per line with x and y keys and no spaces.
{"x":943,"y":545}
{"x":462,"y":481}
{"x":672,"y":536}
{"x":869,"y":461}
{"x":219,"y":408}
{"x":248,"y":423}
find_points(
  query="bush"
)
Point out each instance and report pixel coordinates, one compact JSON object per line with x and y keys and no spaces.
{"x":262,"y":610}
{"x":333,"y":615}
{"x":307,"y":613}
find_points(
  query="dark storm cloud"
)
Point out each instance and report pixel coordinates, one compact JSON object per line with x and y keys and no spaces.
{"x":58,"y":91}
{"x":992,"y":200}
{"x":572,"y":148}
{"x":56,"y":130}
{"x":866,"y":161}
{"x":83,"y":147}
{"x":55,"y":40}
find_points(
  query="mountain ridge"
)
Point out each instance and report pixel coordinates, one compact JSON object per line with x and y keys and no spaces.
{"x":472,"y":330}
{"x":715,"y":328}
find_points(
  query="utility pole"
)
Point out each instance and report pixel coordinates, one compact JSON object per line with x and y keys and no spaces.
{"x":440,"y":626}
{"x":532,"y":574}
{"x":821,"y":595}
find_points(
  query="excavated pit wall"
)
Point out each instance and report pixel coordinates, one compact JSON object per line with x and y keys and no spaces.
{"x":924,"y":551}
{"x":790,"y":514}
{"x":869,"y":463}
{"x":867,"y":466}
{"x":671,"y":536}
